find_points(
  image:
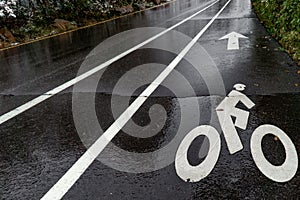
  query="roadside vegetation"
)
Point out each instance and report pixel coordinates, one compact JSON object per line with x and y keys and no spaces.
{"x":25,"y":20}
{"x":282,"y":20}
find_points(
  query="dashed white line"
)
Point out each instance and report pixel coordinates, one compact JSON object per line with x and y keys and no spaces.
{"x":74,"y":173}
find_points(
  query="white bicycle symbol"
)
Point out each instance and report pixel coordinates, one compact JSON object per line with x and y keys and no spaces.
{"x":225,"y":110}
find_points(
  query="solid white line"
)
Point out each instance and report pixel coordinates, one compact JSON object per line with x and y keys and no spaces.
{"x":74,"y":173}
{"x":15,"y":112}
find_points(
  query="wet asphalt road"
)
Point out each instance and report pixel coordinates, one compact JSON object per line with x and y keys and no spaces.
{"x":41,"y":144}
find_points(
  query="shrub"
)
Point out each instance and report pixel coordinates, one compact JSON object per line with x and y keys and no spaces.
{"x":282,"y":20}
{"x":43,"y":12}
{"x":28,"y":19}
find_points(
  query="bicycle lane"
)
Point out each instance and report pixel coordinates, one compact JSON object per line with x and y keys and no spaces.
{"x":271,"y":80}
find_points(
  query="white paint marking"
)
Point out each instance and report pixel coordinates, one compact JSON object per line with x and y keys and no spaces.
{"x":281,"y":173}
{"x":74,"y":173}
{"x":239,"y":87}
{"x":233,"y":40}
{"x":183,"y":168}
{"x":225,"y":110}
{"x":15,"y":112}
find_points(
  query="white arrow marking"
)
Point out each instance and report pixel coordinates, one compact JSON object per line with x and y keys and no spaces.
{"x":233,"y":40}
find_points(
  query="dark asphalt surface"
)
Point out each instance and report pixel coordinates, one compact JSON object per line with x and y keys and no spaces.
{"x":41,"y":144}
